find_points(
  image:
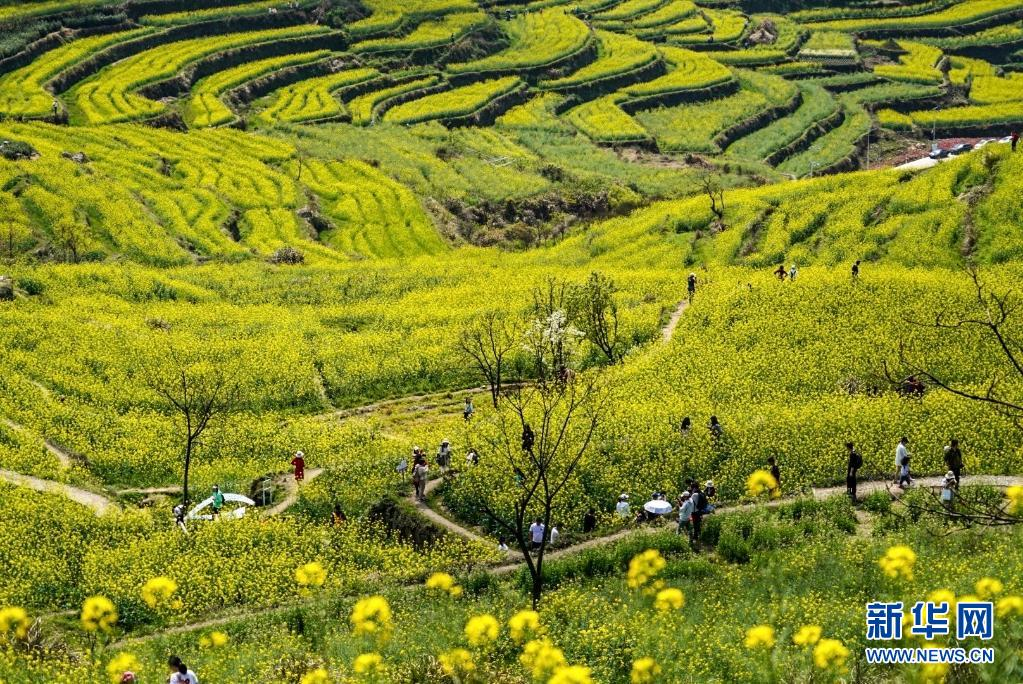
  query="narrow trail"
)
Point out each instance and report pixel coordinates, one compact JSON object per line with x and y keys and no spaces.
{"x":292,"y":487}
{"x":65,"y":457}
{"x":97,"y":502}
{"x":669,"y":330}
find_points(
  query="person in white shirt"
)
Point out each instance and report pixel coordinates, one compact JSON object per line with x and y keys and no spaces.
{"x":554,"y":534}
{"x":685,"y":512}
{"x":901,"y":453}
{"x":622,"y":508}
{"x":502,"y":545}
{"x":180,"y":674}
{"x":536,"y":533}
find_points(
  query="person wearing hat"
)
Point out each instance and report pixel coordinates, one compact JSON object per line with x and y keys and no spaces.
{"x":299,"y":463}
{"x":709,"y":490}
{"x":218,"y":501}
{"x":685,"y":514}
{"x":948,"y":490}
{"x":622,"y":508}
{"x":444,"y":455}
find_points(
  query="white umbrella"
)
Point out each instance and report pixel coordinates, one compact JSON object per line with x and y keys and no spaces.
{"x":657,"y":507}
{"x":236,"y":513}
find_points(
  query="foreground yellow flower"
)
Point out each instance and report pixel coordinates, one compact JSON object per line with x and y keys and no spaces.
{"x":481,"y":630}
{"x":830,"y":654}
{"x":445,"y":583}
{"x":456,"y":662}
{"x":761,"y":636}
{"x":1015,"y":496}
{"x":369,"y":664}
{"x":643,"y":570}
{"x":644,"y":671}
{"x":14,"y":620}
{"x":372,"y":617}
{"x":158,"y":593}
{"x":988,"y":587}
{"x":310,"y":575}
{"x":572,"y":674}
{"x":762,"y":482}
{"x":942,"y":596}
{"x":214,"y":640}
{"x":523,"y":625}
{"x":542,"y":658}
{"x":98,"y":614}
{"x":898,"y":561}
{"x":1010,"y":605}
{"x":808,"y":635}
{"x":669,"y":599}
{"x":934,"y":673}
{"x":317,"y":676}
{"x":119,"y":664}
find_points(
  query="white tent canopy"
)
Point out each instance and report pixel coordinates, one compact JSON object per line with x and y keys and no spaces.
{"x":228,"y":498}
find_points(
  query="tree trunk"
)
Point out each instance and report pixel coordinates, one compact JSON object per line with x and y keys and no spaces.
{"x":188,"y":464}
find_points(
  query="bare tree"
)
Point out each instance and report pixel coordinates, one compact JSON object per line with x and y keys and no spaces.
{"x":995,"y":316}
{"x":596,"y":307}
{"x":715,"y":192}
{"x":199,"y":389}
{"x":542,"y":432}
{"x":970,"y":507}
{"x":487,"y":342}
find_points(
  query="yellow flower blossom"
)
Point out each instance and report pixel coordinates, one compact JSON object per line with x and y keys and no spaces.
{"x":310,"y":575}
{"x":669,"y":599}
{"x":14,"y":620}
{"x":542,"y":658}
{"x":369,"y":664}
{"x":121,"y":663}
{"x":444,"y":583}
{"x":158,"y":593}
{"x":898,"y":561}
{"x":934,"y":673}
{"x":761,"y":636}
{"x":1010,"y":605}
{"x":1015,"y":496}
{"x":830,"y":654}
{"x":214,"y":640}
{"x":481,"y":630}
{"x":988,"y":587}
{"x":572,"y":674}
{"x":372,"y":617}
{"x":762,"y":482}
{"x":317,"y":676}
{"x":98,"y":614}
{"x":523,"y":625}
{"x":643,"y":570}
{"x":644,"y":671}
{"x":808,"y":635}
{"x":456,"y":662}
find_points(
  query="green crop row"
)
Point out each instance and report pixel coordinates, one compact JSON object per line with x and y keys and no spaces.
{"x":629,"y":9}
{"x":918,"y":65}
{"x":536,"y":39}
{"x":965,"y":12}
{"x":727,"y":26}
{"x":429,"y":34}
{"x":457,"y":102}
{"x":617,"y":54}
{"x":362,"y":108}
{"x":390,"y":15}
{"x":689,"y":71}
{"x":834,"y":146}
{"x":603,"y":121}
{"x":818,"y":105}
{"x":215,"y":13}
{"x":313,"y":99}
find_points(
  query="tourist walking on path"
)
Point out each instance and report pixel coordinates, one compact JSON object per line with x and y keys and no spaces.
{"x":852,"y":468}
{"x":420,"y":474}
{"x":901,"y":453}
{"x":685,"y":514}
{"x":905,"y":481}
{"x":948,"y":491}
{"x":856,"y":270}
{"x":699,"y":505}
{"x":554,"y":534}
{"x":469,"y":410}
{"x":709,"y":490}
{"x":444,"y":455}
{"x":218,"y":501}
{"x":691,"y":286}
{"x":299,"y":464}
{"x":536,"y":534}
{"x":954,"y":459}
{"x":589,"y":521}
{"x":781,"y":272}
{"x":776,"y":474}
{"x":622,"y":507}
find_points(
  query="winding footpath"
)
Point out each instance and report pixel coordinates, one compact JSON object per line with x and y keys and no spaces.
{"x":97,"y":502}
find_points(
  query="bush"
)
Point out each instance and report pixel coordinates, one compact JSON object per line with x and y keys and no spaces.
{"x":14,"y":150}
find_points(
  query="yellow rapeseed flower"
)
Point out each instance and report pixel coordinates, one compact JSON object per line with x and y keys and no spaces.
{"x":762,"y":482}
{"x":14,"y":620}
{"x":317,"y":676}
{"x":372,"y":617}
{"x":934,"y":673}
{"x":988,"y":587}
{"x":643,"y":570}
{"x":445,"y":583}
{"x":369,"y":664}
{"x":98,"y":614}
{"x":830,"y":654}
{"x":119,"y":664}
{"x":644,"y":671}
{"x":942,"y":596}
{"x":898,"y":561}
{"x":456,"y":662}
{"x":1010,"y":605}
{"x":481,"y":630}
{"x":1015,"y":496}
{"x":761,"y":636}
{"x":669,"y":599}
{"x":310,"y":575}
{"x":523,"y":625}
{"x":214,"y":640}
{"x":542,"y":658}
{"x":572,"y":674}
{"x":158,"y":593}
{"x":808,"y":635}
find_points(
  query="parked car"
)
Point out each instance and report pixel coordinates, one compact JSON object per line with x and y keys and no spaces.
{"x":960,"y":149}
{"x":939,"y":153}
{"x":984,"y":143}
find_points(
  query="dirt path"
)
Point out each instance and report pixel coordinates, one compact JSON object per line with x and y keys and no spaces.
{"x":292,"y":487}
{"x":97,"y":502}
{"x":62,"y":455}
{"x":669,"y":329}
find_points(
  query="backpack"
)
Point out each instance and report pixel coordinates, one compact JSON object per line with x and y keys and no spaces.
{"x":699,"y":503}
{"x":857,"y":460}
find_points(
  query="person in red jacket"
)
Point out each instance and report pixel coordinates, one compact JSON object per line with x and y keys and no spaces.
{"x":1015,"y":140}
{"x":299,"y":463}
